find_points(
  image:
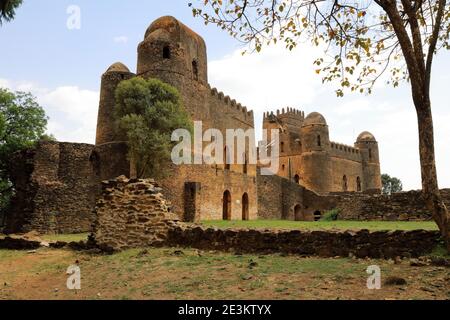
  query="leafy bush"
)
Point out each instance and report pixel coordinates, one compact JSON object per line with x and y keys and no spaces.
{"x":331,"y":215}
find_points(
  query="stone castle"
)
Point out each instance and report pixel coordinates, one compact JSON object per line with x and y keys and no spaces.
{"x":57,"y":183}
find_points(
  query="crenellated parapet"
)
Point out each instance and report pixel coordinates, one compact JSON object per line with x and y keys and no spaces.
{"x":344,"y":151}
{"x":231,"y":103}
{"x":290,"y":112}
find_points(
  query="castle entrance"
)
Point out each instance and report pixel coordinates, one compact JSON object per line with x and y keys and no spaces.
{"x":298,"y":213}
{"x":227,"y":205}
{"x":245,"y":213}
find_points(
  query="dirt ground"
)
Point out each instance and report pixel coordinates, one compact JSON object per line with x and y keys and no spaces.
{"x":191,"y":274}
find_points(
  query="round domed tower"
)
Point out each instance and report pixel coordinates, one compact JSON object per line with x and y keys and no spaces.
{"x":105,"y":121}
{"x":172,"y":53}
{"x":368,"y":147}
{"x":315,"y":158}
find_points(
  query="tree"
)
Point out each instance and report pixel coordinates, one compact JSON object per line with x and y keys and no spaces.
{"x":362,"y":41}
{"x":390,"y":184}
{"x":147,"y":112}
{"x":22,"y":123}
{"x":8,"y":10}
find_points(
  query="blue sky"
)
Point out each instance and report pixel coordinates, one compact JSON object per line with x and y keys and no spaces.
{"x":62,"y":68}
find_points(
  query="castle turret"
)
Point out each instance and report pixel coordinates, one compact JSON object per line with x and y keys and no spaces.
{"x":368,"y":146}
{"x":110,"y":154}
{"x":315,"y":158}
{"x":105,"y":121}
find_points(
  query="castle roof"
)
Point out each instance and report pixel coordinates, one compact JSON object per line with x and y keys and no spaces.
{"x":366,"y":136}
{"x":172,"y":27}
{"x":118,"y":67}
{"x":314,"y":118}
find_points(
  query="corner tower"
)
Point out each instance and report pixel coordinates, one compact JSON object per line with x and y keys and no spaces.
{"x":315,"y":158}
{"x":105,"y":121}
{"x":368,"y":146}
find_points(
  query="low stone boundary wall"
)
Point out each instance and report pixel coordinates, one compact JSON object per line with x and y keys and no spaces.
{"x":133,"y":213}
{"x":377,"y":244}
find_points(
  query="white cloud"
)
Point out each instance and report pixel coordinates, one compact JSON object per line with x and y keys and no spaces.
{"x":121,"y":39}
{"x":72,"y":111}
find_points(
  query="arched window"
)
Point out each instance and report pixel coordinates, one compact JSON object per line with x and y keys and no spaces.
{"x":358,"y":184}
{"x":298,"y":216}
{"x":319,"y":142}
{"x":282,"y":147}
{"x":195,"y":69}
{"x":370,"y":153}
{"x":226,"y":159}
{"x":297,"y":179}
{"x":344,"y":183}
{"x":166,"y":52}
{"x":282,"y":167}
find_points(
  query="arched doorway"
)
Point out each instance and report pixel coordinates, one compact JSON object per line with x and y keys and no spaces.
{"x":298,"y":216}
{"x":245,"y":205}
{"x":226,"y":205}
{"x":297,"y":179}
{"x":317,"y":215}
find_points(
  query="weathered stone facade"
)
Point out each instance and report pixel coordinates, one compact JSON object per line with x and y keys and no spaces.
{"x":177,"y":55}
{"x":131,"y":213}
{"x":402,"y":206}
{"x":309,"y":158}
{"x":56,"y":189}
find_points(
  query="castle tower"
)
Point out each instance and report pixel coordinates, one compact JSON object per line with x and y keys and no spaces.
{"x":173,"y":53}
{"x":368,"y":146}
{"x":110,"y":154}
{"x":105,"y":121}
{"x":315,"y":158}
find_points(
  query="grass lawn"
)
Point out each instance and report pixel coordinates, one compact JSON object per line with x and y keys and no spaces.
{"x":168,"y":273}
{"x":324,"y":225}
{"x":65,"y":237}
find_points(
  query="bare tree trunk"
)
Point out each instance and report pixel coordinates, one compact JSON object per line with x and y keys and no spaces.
{"x":430,"y":187}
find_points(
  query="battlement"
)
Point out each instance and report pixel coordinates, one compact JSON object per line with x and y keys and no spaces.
{"x":290,"y":112}
{"x":344,"y":148}
{"x":236,"y":106}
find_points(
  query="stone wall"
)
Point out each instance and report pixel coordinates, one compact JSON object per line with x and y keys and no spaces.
{"x":280,"y":198}
{"x":378,"y":244}
{"x":134,"y":213}
{"x":56,"y":187}
{"x":212,"y":182}
{"x":402,"y":206}
{"x":131,"y":213}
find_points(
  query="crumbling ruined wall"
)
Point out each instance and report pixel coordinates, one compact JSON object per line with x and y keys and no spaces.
{"x":134,"y":213}
{"x":402,"y":206}
{"x":131,"y":213}
{"x":56,"y":189}
{"x":362,"y":244}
